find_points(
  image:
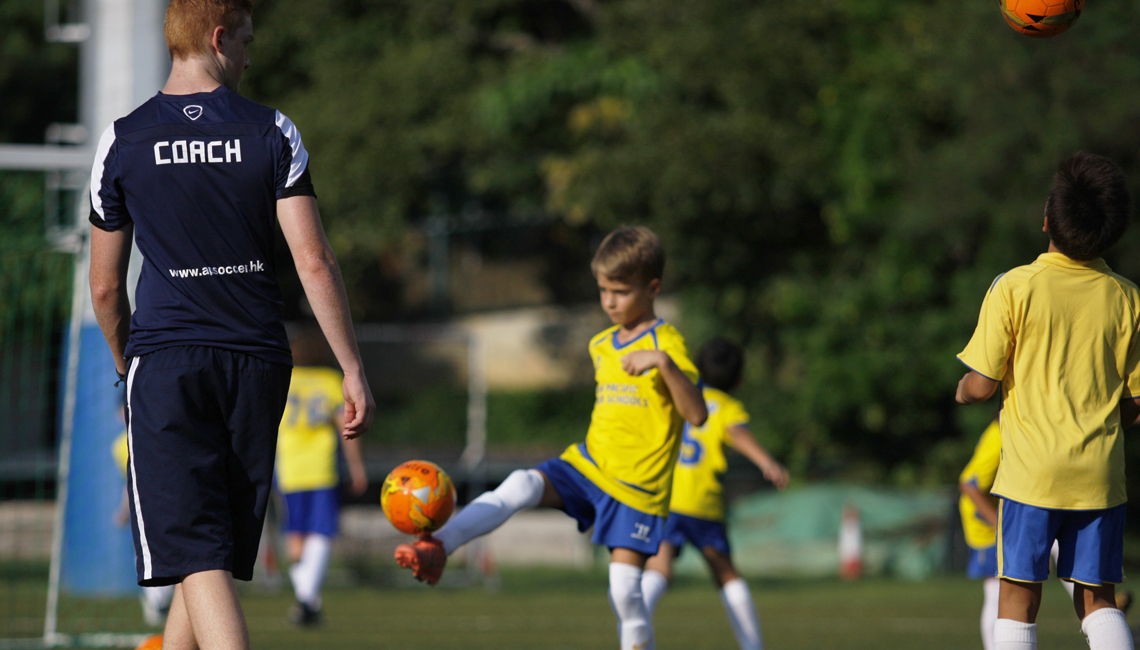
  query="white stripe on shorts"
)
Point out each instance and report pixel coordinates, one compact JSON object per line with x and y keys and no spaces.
{"x":134,"y":476}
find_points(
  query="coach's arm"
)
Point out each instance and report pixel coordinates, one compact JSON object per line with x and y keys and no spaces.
{"x":324,"y":287}
{"x":975,"y":388}
{"x":110,"y":254}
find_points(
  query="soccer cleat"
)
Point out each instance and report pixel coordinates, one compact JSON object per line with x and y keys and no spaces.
{"x":303,"y":615}
{"x":425,"y":557}
{"x":1124,"y":601}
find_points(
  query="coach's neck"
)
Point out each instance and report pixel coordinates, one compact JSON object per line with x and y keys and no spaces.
{"x":194,"y":75}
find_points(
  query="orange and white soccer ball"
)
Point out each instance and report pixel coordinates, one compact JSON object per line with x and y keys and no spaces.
{"x":1041,"y":18}
{"x":418,"y":497}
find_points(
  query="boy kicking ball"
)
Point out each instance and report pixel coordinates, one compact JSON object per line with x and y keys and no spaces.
{"x":1059,"y":336}
{"x":619,"y":479}
{"x":696,"y":512}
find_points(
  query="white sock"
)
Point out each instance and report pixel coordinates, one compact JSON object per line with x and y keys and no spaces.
{"x":309,"y":573}
{"x":653,"y":586}
{"x":1054,"y":554}
{"x":1014,"y":635}
{"x":991,"y":587}
{"x":522,"y":489}
{"x":1106,"y":629}
{"x":634,"y":627}
{"x":741,"y":612}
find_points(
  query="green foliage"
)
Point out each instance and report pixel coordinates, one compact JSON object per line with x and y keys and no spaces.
{"x":38,"y":80}
{"x":837,"y":182}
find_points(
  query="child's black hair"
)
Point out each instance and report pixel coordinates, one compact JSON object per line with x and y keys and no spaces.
{"x":720,"y":363}
{"x":1089,"y":207}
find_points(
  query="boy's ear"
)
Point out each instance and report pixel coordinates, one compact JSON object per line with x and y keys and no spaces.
{"x":654,"y":287}
{"x":1045,"y":228}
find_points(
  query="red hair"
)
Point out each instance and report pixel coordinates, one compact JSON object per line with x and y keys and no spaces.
{"x":189,"y":23}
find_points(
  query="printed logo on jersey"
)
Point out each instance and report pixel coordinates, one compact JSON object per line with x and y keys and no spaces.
{"x":254,"y":266}
{"x":193,"y":111}
{"x":642,"y":532}
{"x":614,"y":393}
{"x":197,"y":151}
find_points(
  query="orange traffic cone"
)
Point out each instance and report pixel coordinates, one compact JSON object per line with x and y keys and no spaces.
{"x":850,"y":543}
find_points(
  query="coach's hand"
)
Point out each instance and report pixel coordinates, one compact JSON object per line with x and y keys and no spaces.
{"x":358,"y":405}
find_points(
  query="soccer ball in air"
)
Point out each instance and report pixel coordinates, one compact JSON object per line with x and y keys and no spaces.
{"x":418,"y":497}
{"x":1041,"y":18}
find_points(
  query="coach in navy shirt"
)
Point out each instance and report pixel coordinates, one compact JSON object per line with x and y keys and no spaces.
{"x":198,"y":175}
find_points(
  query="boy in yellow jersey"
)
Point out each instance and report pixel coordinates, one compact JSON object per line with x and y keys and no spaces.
{"x":696,"y":512}
{"x":306,"y":472}
{"x":1060,"y":337}
{"x":978,"y":509}
{"x":619,"y":479}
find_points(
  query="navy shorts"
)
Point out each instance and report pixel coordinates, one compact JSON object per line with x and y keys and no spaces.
{"x":702,"y":533}
{"x":616,"y":525}
{"x":313,"y":511}
{"x":1090,"y":543}
{"x":202,"y":429}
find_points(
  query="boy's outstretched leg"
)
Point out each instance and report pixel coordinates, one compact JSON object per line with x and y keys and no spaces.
{"x":635,"y":629}
{"x":1101,"y":621}
{"x":1016,"y":627}
{"x":522,"y":489}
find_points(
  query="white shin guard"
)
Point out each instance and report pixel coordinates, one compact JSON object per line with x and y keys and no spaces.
{"x":991,"y":588}
{"x":653,"y":586}
{"x":741,"y":612}
{"x":522,"y":489}
{"x":309,"y":574}
{"x":634,"y":627}
{"x":1107,"y":629}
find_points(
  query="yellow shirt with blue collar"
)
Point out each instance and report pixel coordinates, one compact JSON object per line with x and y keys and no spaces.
{"x":635,"y":430}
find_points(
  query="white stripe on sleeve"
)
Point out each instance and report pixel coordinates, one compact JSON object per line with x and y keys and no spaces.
{"x":147,"y":571}
{"x":104,"y":148}
{"x":300,"y":156}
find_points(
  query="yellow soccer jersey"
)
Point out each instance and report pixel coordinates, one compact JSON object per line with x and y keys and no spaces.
{"x":696,"y":480}
{"x":635,"y":430}
{"x":980,"y":471}
{"x":307,"y":442}
{"x":1061,"y":337}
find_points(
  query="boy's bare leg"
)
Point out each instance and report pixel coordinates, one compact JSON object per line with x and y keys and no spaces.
{"x":1087,"y":599}
{"x":1015,"y":628}
{"x":736,"y":598}
{"x":178,"y":634}
{"x":214,"y":611}
{"x":1019,"y":601}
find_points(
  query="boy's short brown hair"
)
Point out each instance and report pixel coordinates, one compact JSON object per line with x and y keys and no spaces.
{"x":189,"y":23}
{"x":630,"y":254}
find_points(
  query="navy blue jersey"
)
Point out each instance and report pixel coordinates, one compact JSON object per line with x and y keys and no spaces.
{"x":199,"y":176}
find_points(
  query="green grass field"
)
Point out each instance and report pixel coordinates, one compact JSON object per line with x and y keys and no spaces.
{"x":568,"y":610}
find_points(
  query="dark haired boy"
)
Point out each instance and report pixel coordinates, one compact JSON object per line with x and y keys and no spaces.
{"x":696,"y":510}
{"x":1060,"y":338}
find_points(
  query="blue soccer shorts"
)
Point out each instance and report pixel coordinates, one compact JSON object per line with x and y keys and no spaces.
{"x":1090,"y":543}
{"x":202,"y":434}
{"x":982,"y":563}
{"x":313,"y":511}
{"x":616,"y":525}
{"x":701,"y":533}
